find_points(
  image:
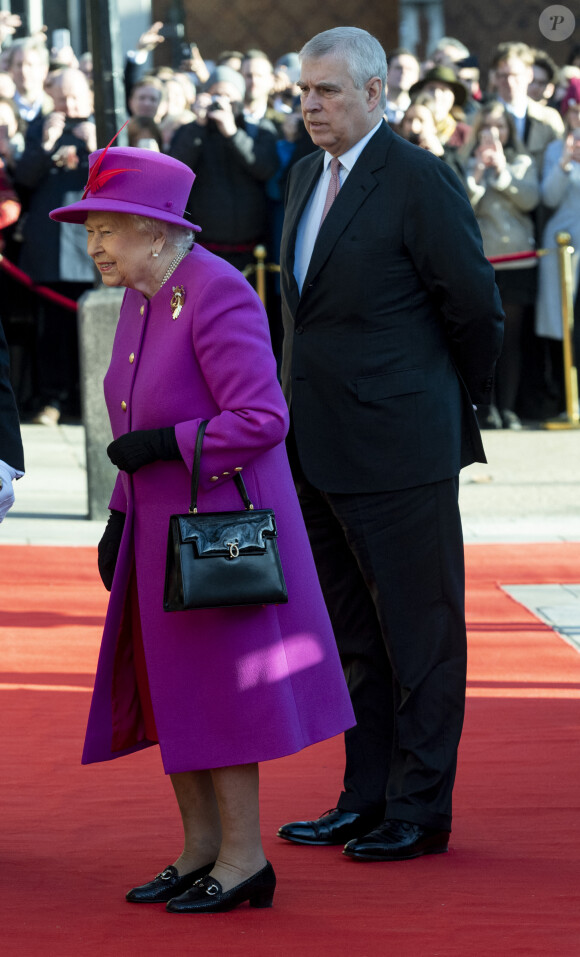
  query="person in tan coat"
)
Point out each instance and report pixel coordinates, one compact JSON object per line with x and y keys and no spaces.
{"x":503,"y":188}
{"x":536,"y":124}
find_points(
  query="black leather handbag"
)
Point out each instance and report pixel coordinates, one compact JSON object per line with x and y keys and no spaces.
{"x":221,"y":559}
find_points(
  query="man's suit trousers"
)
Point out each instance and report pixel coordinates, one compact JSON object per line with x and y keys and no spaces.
{"x":392,"y":572}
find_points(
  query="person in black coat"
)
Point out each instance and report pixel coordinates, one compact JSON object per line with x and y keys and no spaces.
{"x":11,"y":453}
{"x":393,"y":325}
{"x":232,"y":164}
{"x":52,"y":171}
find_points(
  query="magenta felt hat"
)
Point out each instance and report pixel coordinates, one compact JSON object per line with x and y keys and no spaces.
{"x":130,"y":180}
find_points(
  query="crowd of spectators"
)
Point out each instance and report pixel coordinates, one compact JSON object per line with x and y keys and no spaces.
{"x":506,"y":120}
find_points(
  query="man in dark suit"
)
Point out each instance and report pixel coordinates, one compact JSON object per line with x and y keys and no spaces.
{"x":392,"y":328}
{"x":11,"y":454}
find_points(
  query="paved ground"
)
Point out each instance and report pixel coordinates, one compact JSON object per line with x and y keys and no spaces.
{"x":528,"y":492}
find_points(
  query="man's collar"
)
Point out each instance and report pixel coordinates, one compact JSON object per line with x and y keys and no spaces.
{"x":348,"y":159}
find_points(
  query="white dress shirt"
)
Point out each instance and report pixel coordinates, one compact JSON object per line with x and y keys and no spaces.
{"x":310,"y":219}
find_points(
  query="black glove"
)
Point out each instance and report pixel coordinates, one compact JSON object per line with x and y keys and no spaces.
{"x":135,"y":449}
{"x":108,"y":547}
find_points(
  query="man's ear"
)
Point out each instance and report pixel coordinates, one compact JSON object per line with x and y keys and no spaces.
{"x":374,"y":88}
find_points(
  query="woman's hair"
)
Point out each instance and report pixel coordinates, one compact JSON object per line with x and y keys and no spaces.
{"x":141,"y":127}
{"x":363,"y":53}
{"x":514,"y":144}
{"x":182,"y":237}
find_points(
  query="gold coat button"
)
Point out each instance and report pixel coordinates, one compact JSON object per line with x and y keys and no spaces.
{"x":225,"y":473}
{"x":142,"y":310}
{"x":238,"y":468}
{"x":132,"y":357}
{"x":215,"y":478}
{"x":124,"y":406}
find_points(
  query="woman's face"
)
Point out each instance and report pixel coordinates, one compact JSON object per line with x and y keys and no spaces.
{"x":497,"y":125}
{"x":443,"y":98}
{"x":121,"y":253}
{"x":418,"y":120}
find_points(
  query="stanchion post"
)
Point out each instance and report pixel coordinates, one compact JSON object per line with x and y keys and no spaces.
{"x":260,"y":257}
{"x":565,"y":251}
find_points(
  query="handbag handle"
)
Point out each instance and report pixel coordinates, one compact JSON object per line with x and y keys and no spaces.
{"x":196,"y":470}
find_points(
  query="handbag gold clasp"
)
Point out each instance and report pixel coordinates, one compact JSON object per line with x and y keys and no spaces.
{"x":233,"y":547}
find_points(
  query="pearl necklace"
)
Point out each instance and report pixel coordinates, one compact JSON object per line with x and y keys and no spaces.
{"x":173,"y":266}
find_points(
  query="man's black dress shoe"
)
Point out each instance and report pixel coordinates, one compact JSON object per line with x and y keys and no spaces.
{"x":166,"y":885}
{"x":207,"y":896}
{"x":397,"y":841}
{"x":333,"y":827}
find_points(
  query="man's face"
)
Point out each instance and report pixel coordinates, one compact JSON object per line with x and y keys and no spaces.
{"x":226,"y":91}
{"x":259,"y":78}
{"x":28,"y":71}
{"x":336,"y":114}
{"x":403,"y":72}
{"x":72,"y":95}
{"x":512,"y":78}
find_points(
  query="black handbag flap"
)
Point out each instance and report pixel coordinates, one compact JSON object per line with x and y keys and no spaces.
{"x":228,"y":533}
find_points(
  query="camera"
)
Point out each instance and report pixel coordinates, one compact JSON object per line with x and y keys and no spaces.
{"x":72,"y":122}
{"x":214,"y":105}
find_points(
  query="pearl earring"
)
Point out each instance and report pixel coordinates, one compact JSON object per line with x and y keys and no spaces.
{"x":155,"y":255}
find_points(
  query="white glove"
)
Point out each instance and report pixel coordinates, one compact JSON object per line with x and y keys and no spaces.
{"x":7,"y":474}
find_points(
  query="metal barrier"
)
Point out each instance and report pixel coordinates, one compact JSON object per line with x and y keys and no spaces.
{"x":565,"y":252}
{"x":260,"y":268}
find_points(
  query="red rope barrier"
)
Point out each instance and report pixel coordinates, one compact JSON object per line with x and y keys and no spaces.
{"x":43,"y":291}
{"x":533,"y":254}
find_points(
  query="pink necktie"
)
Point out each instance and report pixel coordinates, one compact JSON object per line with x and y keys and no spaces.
{"x":333,"y":187}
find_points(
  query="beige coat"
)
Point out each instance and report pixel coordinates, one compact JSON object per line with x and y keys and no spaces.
{"x":544,"y":124}
{"x":503,"y":205}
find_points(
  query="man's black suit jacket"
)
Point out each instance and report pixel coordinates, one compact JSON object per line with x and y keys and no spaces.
{"x":398,"y":327}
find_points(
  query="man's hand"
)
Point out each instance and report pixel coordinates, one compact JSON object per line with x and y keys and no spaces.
{"x":52,"y":130}
{"x":9,"y":23}
{"x":87,"y":132}
{"x":223,"y":117}
{"x":196,"y":64}
{"x":151,"y":38}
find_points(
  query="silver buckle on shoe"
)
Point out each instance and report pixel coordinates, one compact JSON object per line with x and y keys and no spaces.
{"x":166,"y":875}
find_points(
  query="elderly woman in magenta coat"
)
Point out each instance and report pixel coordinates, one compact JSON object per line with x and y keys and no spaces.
{"x":218,"y":690}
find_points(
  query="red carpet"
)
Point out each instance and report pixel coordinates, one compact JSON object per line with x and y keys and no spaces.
{"x":74,"y":839}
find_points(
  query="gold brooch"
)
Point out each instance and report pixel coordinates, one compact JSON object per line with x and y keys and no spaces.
{"x":177,"y":300}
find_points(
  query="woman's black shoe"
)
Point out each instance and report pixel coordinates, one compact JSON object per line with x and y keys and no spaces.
{"x":206,"y":896}
{"x":166,"y":885}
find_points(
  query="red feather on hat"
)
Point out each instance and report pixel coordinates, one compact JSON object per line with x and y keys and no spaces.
{"x":96,"y":179}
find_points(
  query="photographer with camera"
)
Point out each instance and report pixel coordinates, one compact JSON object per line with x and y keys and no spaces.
{"x":231,"y":165}
{"x":52,"y":171}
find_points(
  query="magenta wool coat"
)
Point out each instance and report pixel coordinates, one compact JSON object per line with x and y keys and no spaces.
{"x":228,"y":686}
